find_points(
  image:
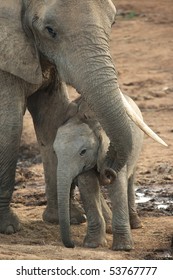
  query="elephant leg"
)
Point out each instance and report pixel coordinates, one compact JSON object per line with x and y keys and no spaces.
{"x":90,"y":194}
{"x":107,"y":214}
{"x":12,"y":104}
{"x":76,"y":209}
{"x":122,"y":238}
{"x":48,"y":108}
{"x":135,"y":221}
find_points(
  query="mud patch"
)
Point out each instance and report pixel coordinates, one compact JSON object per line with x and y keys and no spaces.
{"x":155,"y":200}
{"x":160,"y":255}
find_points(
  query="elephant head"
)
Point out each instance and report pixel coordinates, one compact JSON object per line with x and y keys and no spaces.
{"x":80,"y":145}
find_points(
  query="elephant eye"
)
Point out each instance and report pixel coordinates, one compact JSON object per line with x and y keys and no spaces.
{"x":83,"y":152}
{"x":51,"y":31}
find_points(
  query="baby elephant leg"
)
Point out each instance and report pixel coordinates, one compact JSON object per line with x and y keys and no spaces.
{"x":107,"y":214}
{"x":135,"y":221}
{"x":90,"y":194}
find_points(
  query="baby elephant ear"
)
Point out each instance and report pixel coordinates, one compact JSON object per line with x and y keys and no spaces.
{"x":18,"y":55}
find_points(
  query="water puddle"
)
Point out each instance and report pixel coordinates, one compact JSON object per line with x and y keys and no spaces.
{"x":155,"y":198}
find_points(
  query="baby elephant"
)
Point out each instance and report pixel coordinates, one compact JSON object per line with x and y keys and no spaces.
{"x":81,"y":146}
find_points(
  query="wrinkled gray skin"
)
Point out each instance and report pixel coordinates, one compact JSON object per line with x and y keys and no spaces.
{"x":44,"y":46}
{"x":81,"y":146}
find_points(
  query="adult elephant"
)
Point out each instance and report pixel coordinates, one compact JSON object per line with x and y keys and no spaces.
{"x":43,"y":44}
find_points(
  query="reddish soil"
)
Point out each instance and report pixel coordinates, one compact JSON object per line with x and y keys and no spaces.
{"x":142,"y":47}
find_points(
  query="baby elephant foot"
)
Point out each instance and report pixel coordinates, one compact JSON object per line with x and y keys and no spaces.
{"x":77,"y":215}
{"x":135,"y":221}
{"x":50,"y":215}
{"x":96,"y":233}
{"x":9,"y":222}
{"x":94,"y":241}
{"x":122,"y":242}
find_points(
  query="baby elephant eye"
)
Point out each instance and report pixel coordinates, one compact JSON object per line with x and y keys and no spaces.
{"x":83,"y":152}
{"x":51,"y":31}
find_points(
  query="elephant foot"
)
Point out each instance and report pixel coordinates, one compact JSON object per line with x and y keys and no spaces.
{"x":9,"y":223}
{"x":77,"y":215}
{"x":135,"y":221}
{"x":50,"y":215}
{"x":96,"y":233}
{"x":122,"y":242}
{"x":94,"y":242}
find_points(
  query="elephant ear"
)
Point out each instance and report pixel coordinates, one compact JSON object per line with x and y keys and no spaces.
{"x":103,"y":148}
{"x":18,"y":55}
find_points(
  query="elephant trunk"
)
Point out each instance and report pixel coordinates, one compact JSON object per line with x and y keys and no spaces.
{"x":94,"y":77}
{"x":107,"y":176}
{"x":63,"y":191}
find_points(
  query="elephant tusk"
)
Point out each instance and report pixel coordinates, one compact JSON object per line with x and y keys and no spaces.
{"x":140,"y":123}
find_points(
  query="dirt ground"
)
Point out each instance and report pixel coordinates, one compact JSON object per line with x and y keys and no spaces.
{"x":142,"y":48}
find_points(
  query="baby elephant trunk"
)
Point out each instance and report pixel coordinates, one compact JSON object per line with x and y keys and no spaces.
{"x":63,"y":191}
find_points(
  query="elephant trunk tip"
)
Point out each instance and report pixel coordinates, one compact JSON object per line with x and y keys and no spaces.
{"x":69,"y":244}
{"x":107,"y":176}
